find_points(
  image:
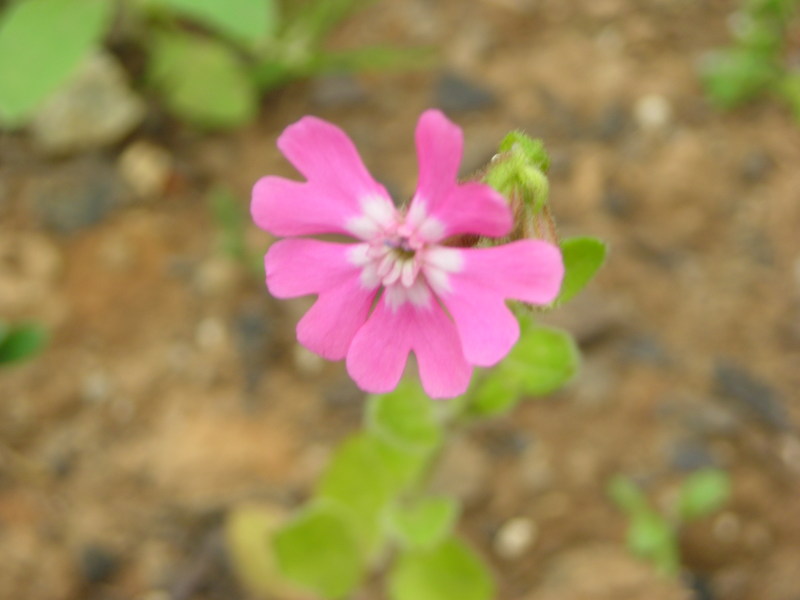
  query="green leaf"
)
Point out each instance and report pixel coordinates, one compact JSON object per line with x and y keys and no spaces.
{"x":250,"y":22}
{"x":651,"y":536}
{"x":583,"y":256}
{"x":313,"y":19}
{"x":627,"y":495}
{"x":202,"y":80}
{"x":248,"y":530}
{"x":19,"y":342}
{"x":364,"y":478}
{"x":702,"y":493}
{"x":405,"y":417}
{"x":543,"y":360}
{"x":318,"y":550}
{"x":449,"y":571}
{"x":789,"y":88}
{"x":735,"y":76}
{"x":41,"y":44}
{"x":424,"y":524}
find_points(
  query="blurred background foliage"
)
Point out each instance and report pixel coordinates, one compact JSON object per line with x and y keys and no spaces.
{"x":210,"y":61}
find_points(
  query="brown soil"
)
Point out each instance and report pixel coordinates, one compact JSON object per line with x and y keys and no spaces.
{"x":173,"y":389}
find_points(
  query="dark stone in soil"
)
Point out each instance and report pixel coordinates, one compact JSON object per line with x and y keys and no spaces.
{"x":78,"y":193}
{"x":617,"y":203}
{"x":700,"y":586}
{"x":690,"y":455}
{"x":755,"y":166}
{"x":97,"y":563}
{"x":613,"y":123}
{"x":645,"y":349}
{"x":254,"y":340}
{"x":750,"y":395}
{"x":336,"y":91}
{"x":454,"y":93}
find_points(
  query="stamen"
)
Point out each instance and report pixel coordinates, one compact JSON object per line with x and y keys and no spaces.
{"x":394,"y":274}
{"x":409,"y":273}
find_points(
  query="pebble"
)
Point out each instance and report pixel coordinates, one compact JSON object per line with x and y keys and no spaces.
{"x":98,"y":563}
{"x":146,"y":168}
{"x":339,"y":90}
{"x":254,"y":337}
{"x":78,"y":193}
{"x":96,"y":387}
{"x":755,"y":166}
{"x":647,"y":349}
{"x":617,"y":203}
{"x":95,"y":108}
{"x":306,"y":362}
{"x":688,"y":455}
{"x":751,"y":395}
{"x":653,"y":112}
{"x":216,"y":276}
{"x":455,"y":94}
{"x":515,"y":537}
{"x":612,"y":123}
{"x":210,"y":334}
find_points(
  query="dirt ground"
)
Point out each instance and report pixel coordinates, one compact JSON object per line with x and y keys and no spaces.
{"x":173,"y":389}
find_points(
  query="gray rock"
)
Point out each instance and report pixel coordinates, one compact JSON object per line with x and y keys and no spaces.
{"x":254,"y":337}
{"x":690,"y":454}
{"x":750,"y":395}
{"x":454,"y":93}
{"x":338,"y":90}
{"x":613,"y":122}
{"x":94,"y":109}
{"x":617,"y":203}
{"x":755,"y":166}
{"x":98,"y":563}
{"x":645,"y":349}
{"x":78,"y":193}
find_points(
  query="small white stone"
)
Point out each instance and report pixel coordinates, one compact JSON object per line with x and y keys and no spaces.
{"x":96,"y":387}
{"x":210,"y":334}
{"x":515,"y":537}
{"x":146,"y":168}
{"x":653,"y":112}
{"x":306,"y":361}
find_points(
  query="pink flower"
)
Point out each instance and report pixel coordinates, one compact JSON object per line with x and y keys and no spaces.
{"x":398,"y":287}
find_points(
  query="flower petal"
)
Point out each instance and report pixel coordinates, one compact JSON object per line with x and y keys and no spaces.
{"x":527,"y":270}
{"x":338,"y":188}
{"x":379,"y":350}
{"x":331,"y":323}
{"x":454,"y":209}
{"x":288,"y":208}
{"x":440,"y":144}
{"x":297,"y":267}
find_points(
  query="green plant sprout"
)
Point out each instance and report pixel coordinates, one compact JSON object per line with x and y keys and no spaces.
{"x":210,"y":73}
{"x":372,"y":511}
{"x":756,"y":63}
{"x":20,"y":342}
{"x":654,"y":536}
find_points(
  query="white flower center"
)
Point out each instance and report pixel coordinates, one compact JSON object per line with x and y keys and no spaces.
{"x":399,"y":256}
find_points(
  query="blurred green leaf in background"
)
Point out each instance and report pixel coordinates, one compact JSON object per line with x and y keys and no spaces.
{"x":41,"y":44}
{"x":20,"y":342}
